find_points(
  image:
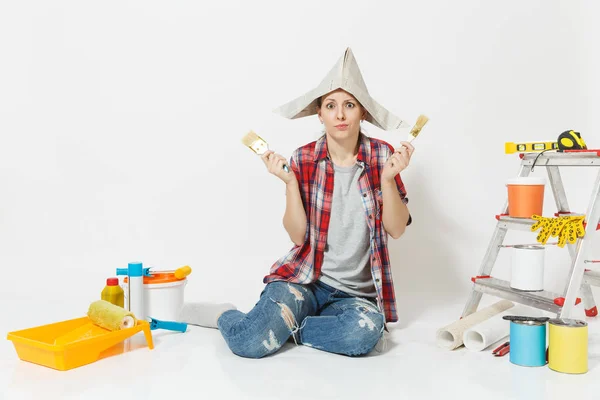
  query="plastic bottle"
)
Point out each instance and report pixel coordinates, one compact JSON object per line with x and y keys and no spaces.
{"x":113,"y":293}
{"x":135,"y":288}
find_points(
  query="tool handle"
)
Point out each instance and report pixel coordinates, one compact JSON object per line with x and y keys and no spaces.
{"x":167,"y":325}
{"x":501,"y":347}
{"x":179,"y":273}
{"x":503,"y":352}
{"x":182,"y":272}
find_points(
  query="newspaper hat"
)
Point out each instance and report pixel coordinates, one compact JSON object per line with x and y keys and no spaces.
{"x":344,"y":75}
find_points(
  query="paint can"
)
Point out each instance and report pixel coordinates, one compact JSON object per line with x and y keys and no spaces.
{"x":568,"y":347}
{"x":163,"y":295}
{"x":525,"y":196}
{"x":528,"y":343}
{"x":527,"y":268}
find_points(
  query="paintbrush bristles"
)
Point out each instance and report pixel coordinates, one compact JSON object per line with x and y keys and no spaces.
{"x":255,"y":143}
{"x":421,"y":121}
{"x":250,"y":138}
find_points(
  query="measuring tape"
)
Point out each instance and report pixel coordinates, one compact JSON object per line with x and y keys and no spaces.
{"x":529,"y":147}
{"x":571,"y":140}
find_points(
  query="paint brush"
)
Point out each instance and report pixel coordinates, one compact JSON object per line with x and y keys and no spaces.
{"x":414,"y":132}
{"x":258,"y":145}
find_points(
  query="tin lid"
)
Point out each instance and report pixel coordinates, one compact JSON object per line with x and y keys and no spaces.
{"x":524,"y":320}
{"x":529,"y":322}
{"x":526,"y":180}
{"x":573,"y":323}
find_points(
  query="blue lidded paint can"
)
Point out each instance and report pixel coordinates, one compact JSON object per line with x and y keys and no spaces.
{"x":528,"y":343}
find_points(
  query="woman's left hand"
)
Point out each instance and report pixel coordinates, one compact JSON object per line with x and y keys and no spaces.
{"x":397,"y":162}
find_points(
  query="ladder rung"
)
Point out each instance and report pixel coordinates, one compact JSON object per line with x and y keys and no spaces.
{"x":523,"y":224}
{"x":551,"y":159}
{"x":591,"y":277}
{"x":543,"y":299}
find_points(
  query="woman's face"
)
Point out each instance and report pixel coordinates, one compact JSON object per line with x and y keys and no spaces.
{"x":341,"y":114}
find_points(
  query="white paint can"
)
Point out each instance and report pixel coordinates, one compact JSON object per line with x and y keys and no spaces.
{"x":163,"y":296}
{"x":527,"y":269}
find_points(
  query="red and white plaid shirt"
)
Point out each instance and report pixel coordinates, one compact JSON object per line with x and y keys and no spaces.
{"x":314,"y":171}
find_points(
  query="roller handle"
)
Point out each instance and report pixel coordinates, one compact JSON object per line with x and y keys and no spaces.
{"x":167,"y":325}
{"x":125,"y":271}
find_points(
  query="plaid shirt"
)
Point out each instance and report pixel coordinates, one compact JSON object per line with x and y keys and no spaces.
{"x":314,"y":172}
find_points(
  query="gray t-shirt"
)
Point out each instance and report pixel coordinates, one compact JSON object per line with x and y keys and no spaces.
{"x":346,"y":260}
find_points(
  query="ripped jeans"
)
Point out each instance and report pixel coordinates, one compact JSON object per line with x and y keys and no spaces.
{"x":315,"y":315}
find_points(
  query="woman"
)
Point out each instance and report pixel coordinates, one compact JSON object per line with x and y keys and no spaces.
{"x":333,"y":291}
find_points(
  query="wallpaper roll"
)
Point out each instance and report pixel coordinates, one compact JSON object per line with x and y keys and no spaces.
{"x":490,"y":331}
{"x":451,"y":336}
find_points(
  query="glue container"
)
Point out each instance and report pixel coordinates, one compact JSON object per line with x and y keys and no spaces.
{"x":135,"y":288}
{"x":113,"y":293}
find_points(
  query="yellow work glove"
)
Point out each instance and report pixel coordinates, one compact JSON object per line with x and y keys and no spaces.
{"x":566,"y":228}
{"x":579,"y":228}
{"x":572,"y":230}
{"x":546,"y":227}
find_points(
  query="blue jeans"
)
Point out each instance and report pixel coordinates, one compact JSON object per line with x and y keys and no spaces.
{"x":315,"y":315}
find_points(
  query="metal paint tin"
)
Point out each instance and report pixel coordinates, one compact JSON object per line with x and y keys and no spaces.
{"x":568,"y":350}
{"x":528,"y":343}
{"x":527,"y":268}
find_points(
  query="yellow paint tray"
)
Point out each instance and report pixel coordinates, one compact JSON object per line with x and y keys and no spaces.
{"x":70,"y":344}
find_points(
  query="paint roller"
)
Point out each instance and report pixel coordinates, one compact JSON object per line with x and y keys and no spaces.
{"x":110,"y":316}
{"x":113,"y":318}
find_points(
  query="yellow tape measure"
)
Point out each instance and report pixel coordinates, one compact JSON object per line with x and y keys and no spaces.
{"x":571,"y":140}
{"x":529,"y":147}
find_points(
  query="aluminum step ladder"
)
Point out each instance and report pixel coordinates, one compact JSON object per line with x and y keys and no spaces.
{"x":580,"y":276}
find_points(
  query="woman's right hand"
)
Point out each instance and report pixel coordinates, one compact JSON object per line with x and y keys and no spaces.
{"x":275,"y":163}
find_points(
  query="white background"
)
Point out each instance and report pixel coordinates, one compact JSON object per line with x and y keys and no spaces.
{"x":120,"y":128}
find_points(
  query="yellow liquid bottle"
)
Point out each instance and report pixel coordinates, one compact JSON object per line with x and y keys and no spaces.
{"x":113,"y":293}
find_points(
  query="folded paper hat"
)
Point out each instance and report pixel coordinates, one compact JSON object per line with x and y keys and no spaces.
{"x":344,"y":75}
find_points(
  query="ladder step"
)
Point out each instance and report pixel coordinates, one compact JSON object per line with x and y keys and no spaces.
{"x":522,"y":224}
{"x":590,"y":158}
{"x":591,"y":278}
{"x":543,"y":300}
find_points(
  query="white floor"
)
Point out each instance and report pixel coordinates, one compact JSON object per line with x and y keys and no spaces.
{"x":197,"y":364}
